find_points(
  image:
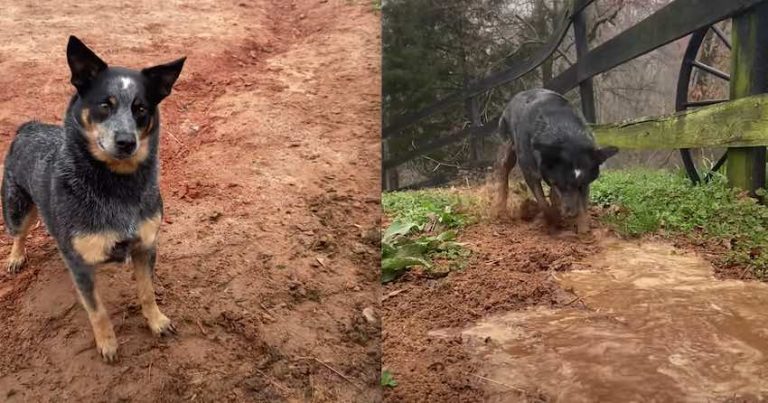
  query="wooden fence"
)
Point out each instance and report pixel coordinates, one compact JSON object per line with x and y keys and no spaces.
{"x":740,"y":125}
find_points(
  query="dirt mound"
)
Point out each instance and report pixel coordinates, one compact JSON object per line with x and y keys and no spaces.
{"x":512,"y":267}
{"x":270,"y":168}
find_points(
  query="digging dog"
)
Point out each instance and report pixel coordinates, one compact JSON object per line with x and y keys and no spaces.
{"x":94,"y":182}
{"x":551,"y":142}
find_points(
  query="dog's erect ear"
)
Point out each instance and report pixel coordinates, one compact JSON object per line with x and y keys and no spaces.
{"x":161,"y":78}
{"x":602,"y":154}
{"x":85,"y":65}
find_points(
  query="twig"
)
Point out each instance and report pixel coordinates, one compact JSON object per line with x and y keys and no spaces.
{"x":173,"y":136}
{"x":274,"y":382}
{"x":392,"y":294}
{"x":84,"y":349}
{"x":200,"y":325}
{"x":744,"y":272}
{"x":494,"y":261}
{"x":515,"y":388}
{"x":334,"y":370}
{"x":439,"y":163}
{"x":149,"y":372}
{"x":572,"y":301}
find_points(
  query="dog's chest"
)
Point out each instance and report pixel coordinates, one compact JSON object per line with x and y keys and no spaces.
{"x":116,"y":245}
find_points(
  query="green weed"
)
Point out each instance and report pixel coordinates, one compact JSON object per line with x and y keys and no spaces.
{"x":661,"y":202}
{"x":387,"y":379}
{"x":423,"y":228}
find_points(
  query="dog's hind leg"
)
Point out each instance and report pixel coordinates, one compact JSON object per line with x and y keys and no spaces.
{"x":143,"y":269}
{"x":20,"y":214}
{"x":504,"y":164}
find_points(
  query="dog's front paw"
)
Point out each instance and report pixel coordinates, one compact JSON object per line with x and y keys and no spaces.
{"x":528,"y":210}
{"x":500,"y":212}
{"x":15,"y":264}
{"x":107,"y":347}
{"x":161,"y":325}
{"x":582,"y":223}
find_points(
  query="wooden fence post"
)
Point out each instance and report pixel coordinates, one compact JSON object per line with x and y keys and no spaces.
{"x":749,"y":76}
{"x":389,"y":176}
{"x":586,"y":90}
{"x":475,"y":140}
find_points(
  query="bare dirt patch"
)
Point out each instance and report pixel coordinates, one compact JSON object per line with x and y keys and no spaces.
{"x":510,"y":269}
{"x":270,"y":161}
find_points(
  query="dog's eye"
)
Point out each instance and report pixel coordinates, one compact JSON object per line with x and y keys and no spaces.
{"x":104,"y":107}
{"x":140,"y":110}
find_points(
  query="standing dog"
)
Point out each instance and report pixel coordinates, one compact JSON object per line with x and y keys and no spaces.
{"x":94,"y":182}
{"x":552,"y":143}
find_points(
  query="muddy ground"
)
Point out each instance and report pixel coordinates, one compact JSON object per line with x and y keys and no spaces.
{"x":270,"y":174}
{"x":553,"y":317}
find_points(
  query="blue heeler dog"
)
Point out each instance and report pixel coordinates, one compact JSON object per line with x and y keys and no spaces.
{"x":94,"y":182}
{"x":552,"y":143}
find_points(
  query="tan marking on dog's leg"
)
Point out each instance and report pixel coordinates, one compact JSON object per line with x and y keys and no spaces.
{"x":505,"y":162}
{"x":157,"y":321}
{"x":18,"y":251}
{"x":148,"y":230}
{"x":103,"y":332}
{"x":582,"y":222}
{"x":94,"y":248}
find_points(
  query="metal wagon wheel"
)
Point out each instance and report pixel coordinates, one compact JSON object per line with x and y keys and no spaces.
{"x":683,"y":101}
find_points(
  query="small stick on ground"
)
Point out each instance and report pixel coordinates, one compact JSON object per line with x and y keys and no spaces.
{"x":572,"y":301}
{"x":170,"y":133}
{"x":744,"y":272}
{"x":267,"y":311}
{"x":86,"y":348}
{"x":149,"y":372}
{"x":274,"y":382}
{"x":346,"y":378}
{"x":200,"y":325}
{"x":392,"y":294}
{"x":510,"y":387}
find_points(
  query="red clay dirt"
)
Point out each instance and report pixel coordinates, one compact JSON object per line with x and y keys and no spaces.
{"x":270,"y":158}
{"x":510,"y":269}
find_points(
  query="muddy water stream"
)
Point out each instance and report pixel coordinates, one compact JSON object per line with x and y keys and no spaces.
{"x":651,"y":324}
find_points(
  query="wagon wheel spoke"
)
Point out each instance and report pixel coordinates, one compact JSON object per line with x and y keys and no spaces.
{"x":716,"y":167}
{"x":720,"y":34}
{"x":711,"y":70}
{"x":690,"y":63}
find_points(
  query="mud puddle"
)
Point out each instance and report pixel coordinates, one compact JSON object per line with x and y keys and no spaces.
{"x":650,"y":323}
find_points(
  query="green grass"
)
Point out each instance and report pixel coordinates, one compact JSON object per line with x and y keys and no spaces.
{"x":662,"y":202}
{"x":442,"y":206}
{"x":423,"y":228}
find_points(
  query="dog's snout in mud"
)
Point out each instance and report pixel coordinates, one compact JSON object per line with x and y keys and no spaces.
{"x":644,"y":314}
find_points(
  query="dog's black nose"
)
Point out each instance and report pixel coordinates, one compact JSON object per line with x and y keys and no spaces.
{"x":125,"y":142}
